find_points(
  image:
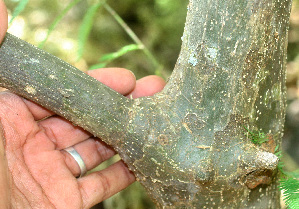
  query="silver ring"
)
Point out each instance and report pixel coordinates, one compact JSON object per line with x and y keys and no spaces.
{"x":78,"y":159}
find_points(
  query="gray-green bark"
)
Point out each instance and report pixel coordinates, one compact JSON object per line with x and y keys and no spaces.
{"x":187,"y":145}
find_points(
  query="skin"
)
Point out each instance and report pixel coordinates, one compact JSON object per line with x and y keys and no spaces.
{"x":35,"y":172}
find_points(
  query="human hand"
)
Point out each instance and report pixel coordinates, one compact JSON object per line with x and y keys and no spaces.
{"x":35,"y":171}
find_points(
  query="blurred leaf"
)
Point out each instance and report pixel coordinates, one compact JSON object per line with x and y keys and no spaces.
{"x":57,"y":20}
{"x":106,"y":58}
{"x":135,"y":38}
{"x":97,"y":66}
{"x":19,"y":8}
{"x":294,"y":174}
{"x":111,"y":56}
{"x":86,"y":27}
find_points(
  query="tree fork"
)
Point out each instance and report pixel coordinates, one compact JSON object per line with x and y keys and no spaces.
{"x":188,"y":145}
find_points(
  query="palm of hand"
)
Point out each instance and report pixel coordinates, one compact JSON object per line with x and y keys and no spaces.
{"x":39,"y":173}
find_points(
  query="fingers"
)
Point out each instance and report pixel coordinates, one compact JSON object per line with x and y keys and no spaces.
{"x":121,"y":80}
{"x":3,"y":20}
{"x":101,"y":185}
{"x":38,"y":112}
{"x":148,"y":86}
{"x":92,"y":151}
{"x":62,"y":132}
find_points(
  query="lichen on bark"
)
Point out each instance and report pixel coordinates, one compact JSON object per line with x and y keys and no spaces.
{"x":187,"y":144}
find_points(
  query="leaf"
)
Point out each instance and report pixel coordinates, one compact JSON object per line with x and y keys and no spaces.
{"x":57,"y":20}
{"x":293,"y":174}
{"x":291,"y":192}
{"x":97,"y":66}
{"x":19,"y":8}
{"x":106,"y":58}
{"x":257,"y":137}
{"x":276,"y":148}
{"x":135,"y":38}
{"x":111,"y":56}
{"x":278,"y":154}
{"x":86,"y":27}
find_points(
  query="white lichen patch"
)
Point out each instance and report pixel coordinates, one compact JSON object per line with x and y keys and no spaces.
{"x":32,"y":60}
{"x":212,"y":53}
{"x":193,"y":60}
{"x":30,"y":90}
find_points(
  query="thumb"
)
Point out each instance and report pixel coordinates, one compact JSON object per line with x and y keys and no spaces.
{"x":3,"y":20}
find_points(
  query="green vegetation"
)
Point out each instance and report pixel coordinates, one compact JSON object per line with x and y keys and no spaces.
{"x":57,"y":20}
{"x":290,"y":187}
{"x":278,"y":153}
{"x":289,"y":181}
{"x":256,"y":137}
{"x":86,"y":26}
{"x":107,"y":58}
{"x":84,"y":32}
{"x":19,"y":8}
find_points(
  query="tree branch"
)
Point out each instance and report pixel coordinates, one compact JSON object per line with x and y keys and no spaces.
{"x":47,"y":80}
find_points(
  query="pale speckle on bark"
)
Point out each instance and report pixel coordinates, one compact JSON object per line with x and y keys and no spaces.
{"x":30,"y":90}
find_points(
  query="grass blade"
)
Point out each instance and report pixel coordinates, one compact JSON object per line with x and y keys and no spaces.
{"x":86,"y":27}
{"x":134,"y":37}
{"x":57,"y":20}
{"x":107,"y":58}
{"x":97,"y":66}
{"x":111,"y":56}
{"x":19,"y":8}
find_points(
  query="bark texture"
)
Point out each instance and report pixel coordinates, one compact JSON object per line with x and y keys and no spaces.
{"x":188,"y":144}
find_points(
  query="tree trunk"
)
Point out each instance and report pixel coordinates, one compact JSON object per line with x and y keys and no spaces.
{"x":191,"y":145}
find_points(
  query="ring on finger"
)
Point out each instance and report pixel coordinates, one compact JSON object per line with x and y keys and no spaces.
{"x":77,"y":157}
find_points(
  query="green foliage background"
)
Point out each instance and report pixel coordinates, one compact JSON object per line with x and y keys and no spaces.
{"x":85,"y":34}
{"x":158,"y":24}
